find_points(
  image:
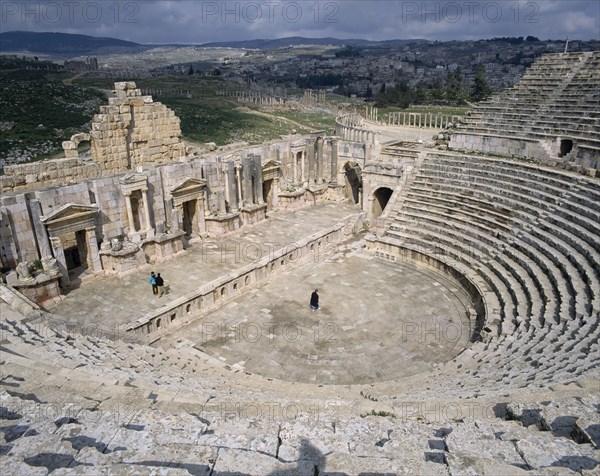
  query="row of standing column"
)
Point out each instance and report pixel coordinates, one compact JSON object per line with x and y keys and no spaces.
{"x":357,"y":135}
{"x":434,"y":121}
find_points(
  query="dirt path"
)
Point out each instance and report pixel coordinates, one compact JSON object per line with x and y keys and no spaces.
{"x":69,"y":81}
{"x":284,"y":119}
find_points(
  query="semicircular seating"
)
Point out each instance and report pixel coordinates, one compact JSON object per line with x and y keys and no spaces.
{"x":530,"y":234}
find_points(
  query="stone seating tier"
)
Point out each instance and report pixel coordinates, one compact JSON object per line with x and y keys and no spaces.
{"x":555,"y":191}
{"x":527,"y":252}
{"x":530,"y":232}
{"x":125,"y":408}
{"x":557,"y":96}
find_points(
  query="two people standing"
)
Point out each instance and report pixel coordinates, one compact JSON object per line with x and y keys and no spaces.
{"x":157,"y":283}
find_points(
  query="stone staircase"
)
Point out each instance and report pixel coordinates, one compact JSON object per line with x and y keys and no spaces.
{"x":557,"y":97}
{"x":544,"y":109}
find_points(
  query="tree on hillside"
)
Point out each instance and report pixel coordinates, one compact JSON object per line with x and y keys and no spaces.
{"x":454,"y":92}
{"x":480,"y":89}
{"x":400,"y":95}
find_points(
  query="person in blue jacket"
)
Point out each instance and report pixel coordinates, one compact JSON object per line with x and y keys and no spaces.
{"x":152,"y":281}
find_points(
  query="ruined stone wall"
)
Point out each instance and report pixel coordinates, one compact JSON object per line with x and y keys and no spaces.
{"x":53,"y":199}
{"x":93,"y":185}
{"x":48,"y":172}
{"x":19,"y":241}
{"x":111,"y":202}
{"x":156,"y":135}
{"x":133,"y":130}
{"x":130,"y":131}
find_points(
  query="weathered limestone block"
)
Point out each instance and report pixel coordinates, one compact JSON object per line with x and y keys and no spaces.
{"x":82,"y":136}
{"x":23,"y":272}
{"x":50,"y":266}
{"x":69,"y":145}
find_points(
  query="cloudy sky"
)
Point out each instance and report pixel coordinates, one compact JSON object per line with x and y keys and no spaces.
{"x":200,"y":21}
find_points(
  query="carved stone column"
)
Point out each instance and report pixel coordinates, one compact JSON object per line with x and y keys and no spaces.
{"x":232,"y":187}
{"x":59,"y":253}
{"x":295,"y":167}
{"x":319,"y":160}
{"x":303,"y":167}
{"x":129,"y":213}
{"x":146,"y":209}
{"x":334,"y":162}
{"x":258,"y":184}
{"x":238,"y":175}
{"x":41,"y":235}
{"x":201,"y":216}
{"x":93,"y":256}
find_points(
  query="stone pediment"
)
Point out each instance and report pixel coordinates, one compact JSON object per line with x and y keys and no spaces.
{"x":188,"y":189}
{"x":187,"y":185}
{"x":70,"y":218}
{"x":298,"y":143}
{"x":133,"y":178}
{"x":69,"y":212}
{"x":272,"y":164}
{"x":133,"y":181}
{"x":270,"y":170}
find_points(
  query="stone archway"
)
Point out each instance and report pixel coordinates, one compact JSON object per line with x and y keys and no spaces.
{"x":381,"y":198}
{"x":353,"y":182}
{"x":70,"y":146}
{"x":566,"y":146}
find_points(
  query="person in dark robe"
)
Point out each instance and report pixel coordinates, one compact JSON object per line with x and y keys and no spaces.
{"x":314,"y":300}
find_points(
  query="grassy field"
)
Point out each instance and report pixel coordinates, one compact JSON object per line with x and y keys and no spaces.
{"x":209,"y":117}
{"x":38,"y":111}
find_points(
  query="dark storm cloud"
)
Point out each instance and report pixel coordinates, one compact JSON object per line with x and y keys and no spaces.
{"x":204,"y":21}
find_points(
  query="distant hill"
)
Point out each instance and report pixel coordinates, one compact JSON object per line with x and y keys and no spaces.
{"x":63,"y":44}
{"x":69,"y":45}
{"x":299,"y":40}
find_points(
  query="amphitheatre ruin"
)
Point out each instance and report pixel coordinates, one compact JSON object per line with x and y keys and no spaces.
{"x":457,"y":262}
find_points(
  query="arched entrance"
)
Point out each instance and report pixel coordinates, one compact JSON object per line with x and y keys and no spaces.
{"x":566,"y":146}
{"x":382,"y":197}
{"x":353,"y":176}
